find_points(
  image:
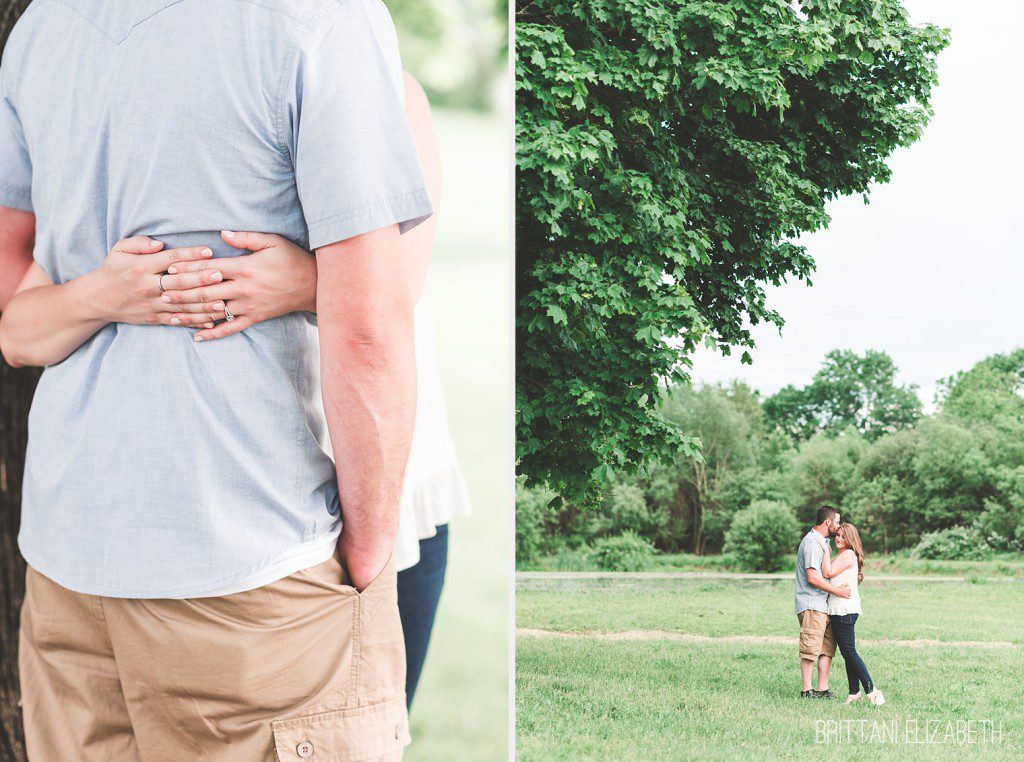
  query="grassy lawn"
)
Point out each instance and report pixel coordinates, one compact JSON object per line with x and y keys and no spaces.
{"x":462,"y":705}
{"x":582,"y":700}
{"x":901,"y":611}
{"x":587,"y":698}
{"x":999,"y":565}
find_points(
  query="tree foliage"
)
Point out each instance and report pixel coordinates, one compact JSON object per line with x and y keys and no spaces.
{"x":668,"y":154}
{"x":849,"y":391}
{"x":955,"y":478}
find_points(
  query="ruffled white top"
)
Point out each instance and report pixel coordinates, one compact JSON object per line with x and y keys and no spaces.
{"x":838,"y":606}
{"x":435,"y":491}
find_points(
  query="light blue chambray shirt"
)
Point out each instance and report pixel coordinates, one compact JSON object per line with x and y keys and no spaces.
{"x":156,"y":466}
{"x":810,"y":555}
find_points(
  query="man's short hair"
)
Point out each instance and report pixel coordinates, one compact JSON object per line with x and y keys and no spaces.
{"x":825,"y":513}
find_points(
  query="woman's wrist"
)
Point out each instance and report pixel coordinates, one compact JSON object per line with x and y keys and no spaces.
{"x":91,"y":297}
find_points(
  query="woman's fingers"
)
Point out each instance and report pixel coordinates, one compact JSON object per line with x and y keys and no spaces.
{"x":240,"y":323}
{"x":183,"y":281}
{"x":186,"y":319}
{"x":165,"y":259}
{"x":241,"y":239}
{"x":215,"y":307}
{"x":138,"y":244}
{"x":202,"y":294}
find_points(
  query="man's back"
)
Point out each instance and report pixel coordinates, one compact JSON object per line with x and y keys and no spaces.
{"x":808,"y":556}
{"x":158,"y":467}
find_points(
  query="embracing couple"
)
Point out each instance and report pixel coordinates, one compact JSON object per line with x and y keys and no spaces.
{"x":230,"y":423}
{"x":828,"y":606}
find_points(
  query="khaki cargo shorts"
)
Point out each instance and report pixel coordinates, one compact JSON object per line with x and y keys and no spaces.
{"x":816,"y":638}
{"x":304,"y":668}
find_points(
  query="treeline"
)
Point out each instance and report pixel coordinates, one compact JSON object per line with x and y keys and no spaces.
{"x":947,"y":485}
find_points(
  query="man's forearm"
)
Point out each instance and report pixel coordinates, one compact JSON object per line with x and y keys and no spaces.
{"x":820,"y":583}
{"x":45,"y":324}
{"x":368,"y":377}
{"x":369,"y":387}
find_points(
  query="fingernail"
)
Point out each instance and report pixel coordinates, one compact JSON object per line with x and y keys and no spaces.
{"x":207,"y":252}
{"x":218,"y":305}
{"x":154,"y":243}
{"x":215,"y":276}
{"x":175,"y":321}
{"x":208,"y":325}
{"x":198,"y":337}
{"x":165,"y":298}
{"x":228,"y":233}
{"x":172,"y":270}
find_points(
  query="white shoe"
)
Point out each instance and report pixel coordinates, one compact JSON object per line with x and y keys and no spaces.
{"x":876,"y":697}
{"x":854,"y":697}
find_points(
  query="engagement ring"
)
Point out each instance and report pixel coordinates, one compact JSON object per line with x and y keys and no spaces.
{"x":227,"y":313}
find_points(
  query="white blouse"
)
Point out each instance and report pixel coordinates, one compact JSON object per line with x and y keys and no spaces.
{"x":434,"y":491}
{"x":838,"y":606}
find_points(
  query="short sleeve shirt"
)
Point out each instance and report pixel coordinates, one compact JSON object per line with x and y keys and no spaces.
{"x":809,"y":556}
{"x":156,"y":466}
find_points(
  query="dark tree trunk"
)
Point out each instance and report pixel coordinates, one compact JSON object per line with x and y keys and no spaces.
{"x":16,"y":389}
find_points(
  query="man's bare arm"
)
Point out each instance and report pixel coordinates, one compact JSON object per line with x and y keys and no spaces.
{"x":815,"y":579}
{"x":368,"y":374}
{"x":17,"y":240}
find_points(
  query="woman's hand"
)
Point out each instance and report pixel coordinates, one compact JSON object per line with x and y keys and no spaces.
{"x":277,"y":278}
{"x":126,"y":287}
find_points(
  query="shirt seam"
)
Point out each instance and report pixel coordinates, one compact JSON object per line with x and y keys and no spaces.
{"x":358,"y":211}
{"x":323,"y":12}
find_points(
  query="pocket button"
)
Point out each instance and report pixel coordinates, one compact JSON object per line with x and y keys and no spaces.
{"x":304,"y":749}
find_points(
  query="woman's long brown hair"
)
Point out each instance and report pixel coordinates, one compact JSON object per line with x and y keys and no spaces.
{"x":852,"y":538}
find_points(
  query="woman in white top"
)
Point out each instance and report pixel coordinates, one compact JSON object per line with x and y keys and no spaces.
{"x":847,"y":568}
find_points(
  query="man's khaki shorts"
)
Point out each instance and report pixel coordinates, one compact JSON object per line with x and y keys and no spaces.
{"x":816,"y":638}
{"x":303,"y":668}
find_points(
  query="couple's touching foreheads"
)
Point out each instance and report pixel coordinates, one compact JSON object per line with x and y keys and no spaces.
{"x":828,"y":605}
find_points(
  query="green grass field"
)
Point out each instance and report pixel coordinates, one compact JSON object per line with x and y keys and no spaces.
{"x":462,"y":705}
{"x":654,"y":695}
{"x":999,"y":565}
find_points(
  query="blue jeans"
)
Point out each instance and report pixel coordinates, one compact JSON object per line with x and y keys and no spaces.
{"x":856,"y":670}
{"x":419,"y":590}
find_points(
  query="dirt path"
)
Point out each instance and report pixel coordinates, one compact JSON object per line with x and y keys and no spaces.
{"x":554,"y":575}
{"x":683,"y":637}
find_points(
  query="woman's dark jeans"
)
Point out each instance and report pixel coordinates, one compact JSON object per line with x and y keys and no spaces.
{"x":856,"y":670}
{"x":419,"y":590}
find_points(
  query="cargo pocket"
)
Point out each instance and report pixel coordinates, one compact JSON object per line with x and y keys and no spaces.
{"x":365,"y":733}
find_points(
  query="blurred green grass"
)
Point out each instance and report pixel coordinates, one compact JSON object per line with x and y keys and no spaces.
{"x":462,"y":703}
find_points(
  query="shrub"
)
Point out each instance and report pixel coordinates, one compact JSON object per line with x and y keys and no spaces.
{"x":953,"y":544}
{"x":533,"y":517}
{"x":626,"y":552}
{"x":763,"y":537}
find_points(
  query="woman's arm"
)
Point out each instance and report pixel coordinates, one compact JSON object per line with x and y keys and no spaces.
{"x":279,"y":277}
{"x":44,"y":323}
{"x":839,"y":564}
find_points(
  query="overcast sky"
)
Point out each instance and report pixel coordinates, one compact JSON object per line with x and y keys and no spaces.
{"x":932,"y":270}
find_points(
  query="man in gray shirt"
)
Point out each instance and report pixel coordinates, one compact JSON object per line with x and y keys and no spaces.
{"x":817,"y":643}
{"x":191,"y":592}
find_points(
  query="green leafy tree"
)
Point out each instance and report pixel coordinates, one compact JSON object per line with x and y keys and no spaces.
{"x":668,"y":155}
{"x":687,"y":485}
{"x":823,"y":471}
{"x":763,"y":537}
{"x":933,"y":477}
{"x":849,"y":390}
